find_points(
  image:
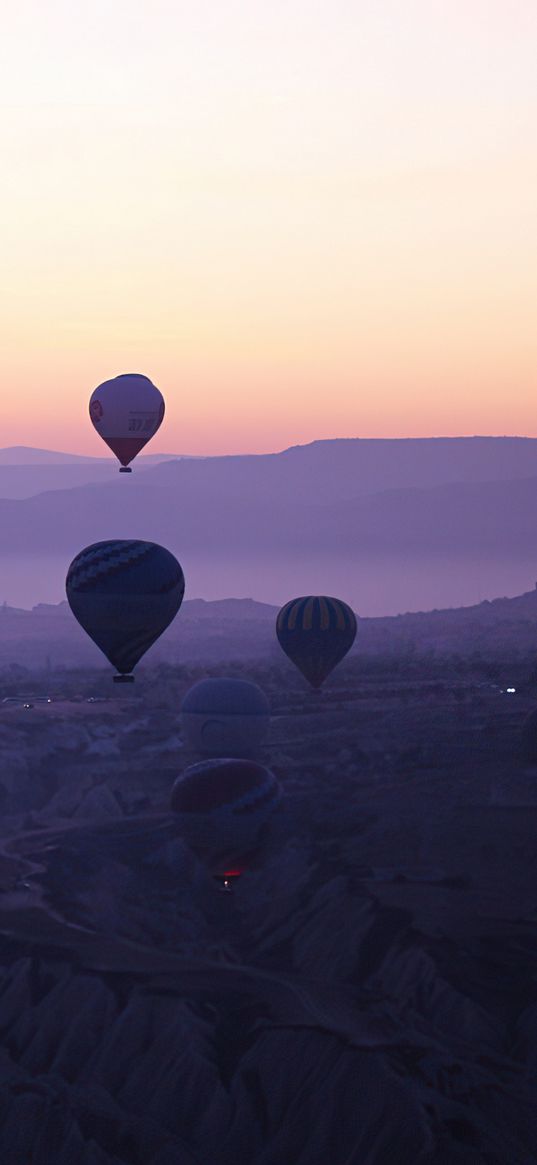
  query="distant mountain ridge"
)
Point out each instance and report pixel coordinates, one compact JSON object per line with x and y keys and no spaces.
{"x":25,"y":472}
{"x":313,"y":517}
{"x":184,"y":516}
{"x":361,"y":464}
{"x":28,"y":455}
{"x":346,"y":468}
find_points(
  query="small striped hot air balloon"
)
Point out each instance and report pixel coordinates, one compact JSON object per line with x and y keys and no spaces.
{"x":126,"y":412}
{"x":124,"y":594}
{"x":223,"y":810}
{"x":316,"y":632}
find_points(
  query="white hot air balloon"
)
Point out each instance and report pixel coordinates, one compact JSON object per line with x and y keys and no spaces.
{"x":126,"y":412}
{"x":225,"y":717}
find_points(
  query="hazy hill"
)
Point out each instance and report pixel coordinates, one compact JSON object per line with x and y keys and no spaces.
{"x":324,"y":471}
{"x":25,"y":471}
{"x":28,"y":455}
{"x":328,"y":471}
{"x":241,"y":629}
{"x":389,"y":525}
{"x":190,"y":511}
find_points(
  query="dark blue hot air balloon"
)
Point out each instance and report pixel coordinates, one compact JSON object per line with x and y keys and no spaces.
{"x":316,"y":632}
{"x":223,"y":809}
{"x":124,"y":593}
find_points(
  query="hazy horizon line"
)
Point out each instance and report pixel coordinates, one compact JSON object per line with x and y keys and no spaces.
{"x":152,"y":454}
{"x":4,"y":605}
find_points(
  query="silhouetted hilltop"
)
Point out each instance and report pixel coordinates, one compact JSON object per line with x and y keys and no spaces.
{"x":328,"y":471}
{"x":243,"y":629}
{"x":491,"y":626}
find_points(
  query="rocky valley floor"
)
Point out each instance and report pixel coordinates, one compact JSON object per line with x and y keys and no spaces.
{"x":366,"y":995}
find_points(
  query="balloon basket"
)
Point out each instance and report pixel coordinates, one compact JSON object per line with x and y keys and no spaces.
{"x":226,"y":882}
{"x":125,"y":469}
{"x":123,"y":679}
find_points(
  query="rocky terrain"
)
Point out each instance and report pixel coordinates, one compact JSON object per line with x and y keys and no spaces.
{"x":366,"y":995}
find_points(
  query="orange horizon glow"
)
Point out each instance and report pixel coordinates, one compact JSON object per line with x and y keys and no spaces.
{"x":301,"y":221}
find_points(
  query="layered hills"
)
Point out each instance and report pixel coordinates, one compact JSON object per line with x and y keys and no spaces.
{"x":389,"y":525}
{"x":242,"y":629}
{"x":347,"y":496}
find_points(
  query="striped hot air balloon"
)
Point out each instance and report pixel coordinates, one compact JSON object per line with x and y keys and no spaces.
{"x":126,"y":412}
{"x":124,"y":594}
{"x":316,"y":632}
{"x":223,"y":809}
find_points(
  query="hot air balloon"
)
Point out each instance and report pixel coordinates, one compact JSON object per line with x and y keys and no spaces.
{"x":124,"y":594}
{"x":225,"y":717}
{"x":223,"y":810}
{"x":316,"y":632}
{"x":126,"y":412}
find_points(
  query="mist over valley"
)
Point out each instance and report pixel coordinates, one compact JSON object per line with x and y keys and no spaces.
{"x":390,"y":526}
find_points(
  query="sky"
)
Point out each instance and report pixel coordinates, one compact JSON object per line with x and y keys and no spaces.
{"x":300,"y":219}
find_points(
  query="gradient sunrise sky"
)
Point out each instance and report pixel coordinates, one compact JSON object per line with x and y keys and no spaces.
{"x":300,"y":219}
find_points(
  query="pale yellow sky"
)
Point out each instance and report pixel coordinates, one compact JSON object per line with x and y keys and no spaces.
{"x":299,"y":219}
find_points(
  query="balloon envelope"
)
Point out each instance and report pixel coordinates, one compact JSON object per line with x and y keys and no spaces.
{"x":225,"y":717}
{"x":126,"y":412}
{"x":316,"y":632}
{"x":124,"y":594}
{"x":223,"y":808}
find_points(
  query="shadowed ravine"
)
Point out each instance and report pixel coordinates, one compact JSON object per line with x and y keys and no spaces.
{"x":368,"y":993}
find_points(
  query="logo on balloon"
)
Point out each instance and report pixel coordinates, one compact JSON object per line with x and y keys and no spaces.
{"x":96,"y":411}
